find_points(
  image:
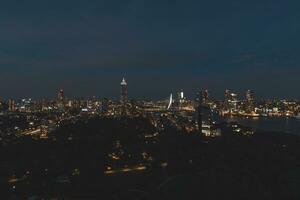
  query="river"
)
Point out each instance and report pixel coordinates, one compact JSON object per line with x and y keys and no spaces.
{"x":287,"y":125}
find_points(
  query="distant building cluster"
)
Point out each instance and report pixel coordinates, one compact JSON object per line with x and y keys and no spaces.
{"x":191,"y":115}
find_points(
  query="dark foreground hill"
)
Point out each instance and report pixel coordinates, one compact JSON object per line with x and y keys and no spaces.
{"x":127,"y":158}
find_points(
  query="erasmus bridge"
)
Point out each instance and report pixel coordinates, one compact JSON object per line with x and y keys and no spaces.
{"x":183,"y":106}
{"x":170,"y":102}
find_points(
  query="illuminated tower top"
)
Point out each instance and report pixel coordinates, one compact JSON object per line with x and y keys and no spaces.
{"x":123,"y":82}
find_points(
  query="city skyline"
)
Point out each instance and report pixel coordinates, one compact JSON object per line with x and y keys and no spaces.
{"x":241,"y":95}
{"x":150,"y":99}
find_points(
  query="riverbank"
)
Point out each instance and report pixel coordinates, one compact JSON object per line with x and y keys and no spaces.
{"x":274,"y":124}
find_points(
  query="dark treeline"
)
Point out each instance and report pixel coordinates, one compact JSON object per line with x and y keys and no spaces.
{"x":71,"y":163}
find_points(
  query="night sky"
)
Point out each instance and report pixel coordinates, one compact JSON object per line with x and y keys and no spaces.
{"x":160,"y":46}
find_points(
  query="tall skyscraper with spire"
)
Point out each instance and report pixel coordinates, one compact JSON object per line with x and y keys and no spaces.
{"x":123,"y":90}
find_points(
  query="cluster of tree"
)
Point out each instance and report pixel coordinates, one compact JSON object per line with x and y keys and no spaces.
{"x":184,"y":166}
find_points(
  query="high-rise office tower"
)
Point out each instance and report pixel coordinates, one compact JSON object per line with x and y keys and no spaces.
{"x":231,"y":101}
{"x":249,"y":101}
{"x":11,"y":105}
{"x":61,"y":95}
{"x":226,"y":99}
{"x":60,"y":99}
{"x":227,"y":95}
{"x":205,"y":96}
{"x":123,"y":90}
{"x":180,"y":97}
{"x":104,"y":106}
{"x":180,"y":100}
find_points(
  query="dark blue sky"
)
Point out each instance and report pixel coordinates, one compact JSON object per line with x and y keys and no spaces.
{"x":160,"y":46}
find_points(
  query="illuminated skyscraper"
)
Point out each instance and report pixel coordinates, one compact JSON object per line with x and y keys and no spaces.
{"x":104,"y":106}
{"x":61,"y":95}
{"x":249,"y":101}
{"x":123,"y":90}
{"x":205,"y":96}
{"x":180,"y":100}
{"x":60,"y":99}
{"x":180,"y":97}
{"x":11,"y":105}
{"x":227,"y":95}
{"x":230,"y":102}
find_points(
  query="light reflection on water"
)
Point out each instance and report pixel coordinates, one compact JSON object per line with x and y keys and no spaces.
{"x":288,"y":125}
